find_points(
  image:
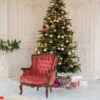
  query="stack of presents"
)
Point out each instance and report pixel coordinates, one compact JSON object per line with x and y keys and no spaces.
{"x":69,"y":81}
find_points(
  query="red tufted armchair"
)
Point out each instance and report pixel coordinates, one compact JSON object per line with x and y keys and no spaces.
{"x":41,"y":73}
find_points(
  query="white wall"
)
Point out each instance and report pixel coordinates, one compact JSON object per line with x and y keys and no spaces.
{"x":82,"y":15}
{"x":4,"y":68}
{"x":24,"y":20}
{"x":97,"y":38}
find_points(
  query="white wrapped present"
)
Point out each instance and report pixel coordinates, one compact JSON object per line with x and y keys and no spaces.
{"x":75,"y":78}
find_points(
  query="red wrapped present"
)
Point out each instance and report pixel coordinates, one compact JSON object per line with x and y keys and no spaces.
{"x":75,"y":84}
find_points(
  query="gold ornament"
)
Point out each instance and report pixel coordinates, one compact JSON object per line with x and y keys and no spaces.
{"x":51,"y":52}
{"x":70,"y":36}
{"x":46,"y":25}
{"x":40,"y":35}
{"x":50,"y":21}
{"x":38,"y":52}
{"x":60,"y":18}
{"x":69,"y":53}
{"x":59,"y":63}
{"x":46,"y":34}
{"x":58,"y":48}
{"x":52,"y":4}
{"x":63,"y":27}
{"x":62,"y":45}
{"x":51,"y":41}
{"x":71,"y":66}
{"x":45,"y":44}
{"x":62,"y":12}
{"x":62,"y":36}
{"x":73,"y":51}
{"x":61,"y":58}
{"x":51,"y":35}
{"x":54,"y":30}
{"x":62,"y":49}
{"x":45,"y":50}
{"x":49,"y":18}
{"x":66,"y":41}
{"x":58,"y":36}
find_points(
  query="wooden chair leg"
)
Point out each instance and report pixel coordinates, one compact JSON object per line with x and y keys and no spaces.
{"x":47,"y":91}
{"x":21,"y":89}
{"x":50,"y":89}
{"x":37,"y":88}
{"x":32,"y":86}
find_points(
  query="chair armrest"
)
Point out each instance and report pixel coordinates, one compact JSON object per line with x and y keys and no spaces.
{"x":25,"y":69}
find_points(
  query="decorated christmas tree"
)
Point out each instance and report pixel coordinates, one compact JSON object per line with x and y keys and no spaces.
{"x":56,"y":37}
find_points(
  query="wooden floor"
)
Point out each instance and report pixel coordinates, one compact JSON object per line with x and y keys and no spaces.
{"x":10,"y":88}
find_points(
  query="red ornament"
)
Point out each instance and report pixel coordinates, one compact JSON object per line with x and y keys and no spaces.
{"x":49,"y":11}
{"x":44,"y":27}
{"x":56,"y":84}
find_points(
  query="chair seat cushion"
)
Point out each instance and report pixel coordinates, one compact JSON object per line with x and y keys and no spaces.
{"x":33,"y":80}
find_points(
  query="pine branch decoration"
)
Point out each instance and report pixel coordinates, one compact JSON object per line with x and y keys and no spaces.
{"x":9,"y":45}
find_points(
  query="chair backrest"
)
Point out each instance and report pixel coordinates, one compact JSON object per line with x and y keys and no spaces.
{"x":46,"y":62}
{"x":34,"y":68}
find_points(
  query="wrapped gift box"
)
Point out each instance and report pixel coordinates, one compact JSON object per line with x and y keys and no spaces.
{"x":75,"y":84}
{"x":70,"y":80}
{"x":76,"y":78}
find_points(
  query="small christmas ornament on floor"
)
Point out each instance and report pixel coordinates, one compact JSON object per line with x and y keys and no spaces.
{"x":1,"y":98}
